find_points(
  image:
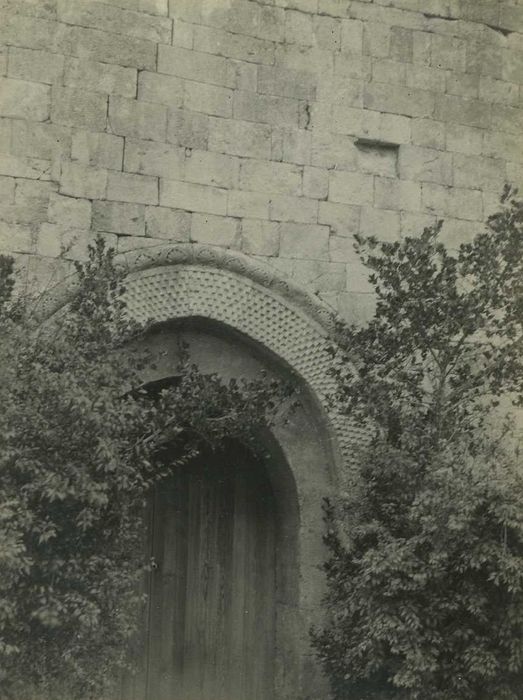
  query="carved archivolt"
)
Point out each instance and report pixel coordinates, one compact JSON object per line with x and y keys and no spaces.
{"x":171,"y":282}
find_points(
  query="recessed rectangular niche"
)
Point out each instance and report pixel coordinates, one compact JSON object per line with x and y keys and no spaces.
{"x":377,"y":157}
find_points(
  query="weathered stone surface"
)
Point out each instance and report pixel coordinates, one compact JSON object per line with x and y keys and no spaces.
{"x":305,"y":241}
{"x":193,"y":197}
{"x":153,"y":158}
{"x":40,"y":140}
{"x":127,"y":187}
{"x":144,"y":120}
{"x":108,"y":47}
{"x":239,"y":138}
{"x":188,"y":129}
{"x":215,"y":230}
{"x":297,"y":209}
{"x":209,"y":99}
{"x":163,"y":89}
{"x":97,"y":15}
{"x":425,"y":165}
{"x":344,"y":220}
{"x":193,"y":65}
{"x":69,"y":211}
{"x":98,"y":149}
{"x":100,"y":77}
{"x":116,"y":217}
{"x":78,"y":180}
{"x":168,"y":224}
{"x":260,"y":237}
{"x":253,"y":204}
{"x":397,"y":194}
{"x":21,"y":99}
{"x":79,"y":108}
{"x":280,"y":178}
{"x":38,"y":66}
{"x":34,"y":168}
{"x":214,"y":169}
{"x":351,"y":188}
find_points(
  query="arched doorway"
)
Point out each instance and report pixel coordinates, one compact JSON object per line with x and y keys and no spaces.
{"x":238,"y":319}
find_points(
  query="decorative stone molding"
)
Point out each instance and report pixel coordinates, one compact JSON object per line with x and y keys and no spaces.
{"x":183,"y":281}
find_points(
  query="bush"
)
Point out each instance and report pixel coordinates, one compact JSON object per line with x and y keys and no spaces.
{"x":425,"y":570}
{"x":79,"y":436}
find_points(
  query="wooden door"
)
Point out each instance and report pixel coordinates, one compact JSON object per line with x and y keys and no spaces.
{"x":210,"y":627}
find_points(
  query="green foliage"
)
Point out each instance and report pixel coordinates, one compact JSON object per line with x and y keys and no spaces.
{"x":80,"y":439}
{"x":425,"y":568}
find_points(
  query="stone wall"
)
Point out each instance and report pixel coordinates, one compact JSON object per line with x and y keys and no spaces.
{"x":276,"y":127}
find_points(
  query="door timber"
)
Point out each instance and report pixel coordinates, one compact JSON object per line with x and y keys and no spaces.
{"x":210,"y":628}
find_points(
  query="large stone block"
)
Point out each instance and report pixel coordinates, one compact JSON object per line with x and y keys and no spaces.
{"x":351,"y":188}
{"x":352,"y":36}
{"x":31,"y":32}
{"x":215,"y":230}
{"x":142,"y":120}
{"x":108,"y":47}
{"x":297,"y":209}
{"x":448,"y":52}
{"x":260,"y":237}
{"x":425,"y":165}
{"x":78,"y":180}
{"x":21,"y":99}
{"x":429,"y":133}
{"x":304,"y":241}
{"x":40,"y":140}
{"x":464,"y":139}
{"x":376,"y":39}
{"x":498,"y":144}
{"x":463,"y":111}
{"x":248,"y":204}
{"x":100,"y":77}
{"x":319,"y":275}
{"x":215,"y":169}
{"x":327,"y":33}
{"x":194,"y":65}
{"x":391,"y":193}
{"x":209,"y":99}
{"x":333,"y":151}
{"x":382,"y":223}
{"x":170,"y":224}
{"x":33,"y":168}
{"x":509,"y":119}
{"x":69,"y":211}
{"x":127,"y":187}
{"x":97,"y":15}
{"x":298,"y":28}
{"x":512,"y":67}
{"x":343,"y":219}
{"x":278,"y":178}
{"x":300,"y":85}
{"x":116,"y":217}
{"x":193,"y":197}
{"x":79,"y":108}
{"x":38,"y":66}
{"x":100,"y":150}
{"x":71,"y":244}
{"x":266,"y":109}
{"x":413,"y":102}
{"x":315,"y":182}
{"x":478,"y":172}
{"x":499,"y":91}
{"x":16,"y":238}
{"x":223,"y":43}
{"x":163,"y":89}
{"x":153,"y":158}
{"x":240,"y":138}
{"x":189,"y":129}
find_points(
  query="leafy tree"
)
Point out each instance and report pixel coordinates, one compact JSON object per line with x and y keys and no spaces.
{"x":425,"y":568}
{"x":79,"y":437}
